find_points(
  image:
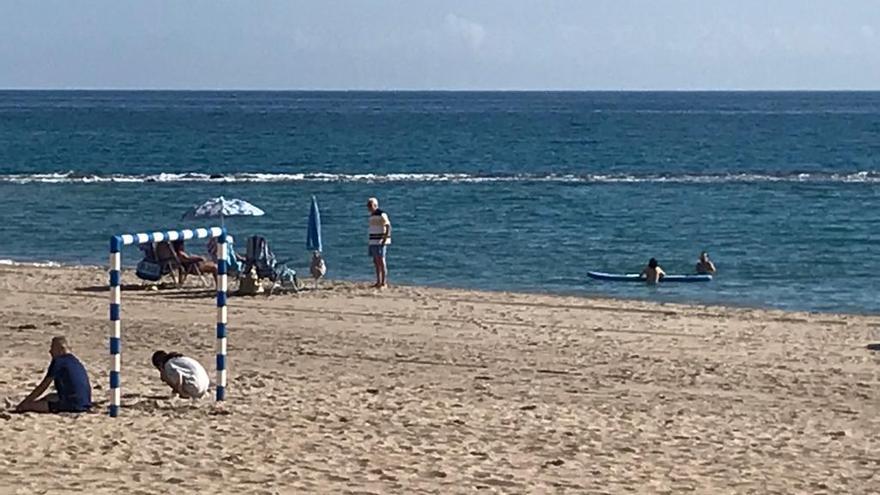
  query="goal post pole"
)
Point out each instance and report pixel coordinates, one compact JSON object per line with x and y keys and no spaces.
{"x":222,"y":290}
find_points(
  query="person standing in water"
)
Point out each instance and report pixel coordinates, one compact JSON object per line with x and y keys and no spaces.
{"x":705,"y":265}
{"x":380,"y":238}
{"x":653,"y":273}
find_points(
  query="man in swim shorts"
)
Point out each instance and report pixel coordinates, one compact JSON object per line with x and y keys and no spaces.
{"x":379,"y":239}
{"x":71,"y":381}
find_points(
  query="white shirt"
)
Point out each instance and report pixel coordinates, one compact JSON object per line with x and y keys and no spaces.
{"x":190,"y":373}
{"x":378,"y":222}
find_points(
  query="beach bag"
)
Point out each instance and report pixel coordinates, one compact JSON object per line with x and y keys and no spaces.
{"x":149,"y":270}
{"x":286,"y":277}
{"x":249,"y":284}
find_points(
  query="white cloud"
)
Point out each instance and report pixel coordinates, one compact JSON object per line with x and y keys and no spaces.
{"x":473,"y":33}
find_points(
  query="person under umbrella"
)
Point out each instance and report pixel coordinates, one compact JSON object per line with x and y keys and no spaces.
{"x":221,"y":208}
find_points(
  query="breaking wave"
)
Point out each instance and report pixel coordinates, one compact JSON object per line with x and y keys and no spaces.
{"x":8,"y":262}
{"x":71,"y":177}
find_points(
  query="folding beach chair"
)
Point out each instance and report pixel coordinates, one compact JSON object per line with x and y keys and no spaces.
{"x":160,"y":259}
{"x":150,"y":268}
{"x":262,"y":260}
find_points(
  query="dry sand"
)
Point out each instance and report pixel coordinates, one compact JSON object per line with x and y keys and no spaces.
{"x":410,"y":390}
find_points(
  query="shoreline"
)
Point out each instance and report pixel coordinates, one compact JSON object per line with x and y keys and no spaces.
{"x":13,"y":263}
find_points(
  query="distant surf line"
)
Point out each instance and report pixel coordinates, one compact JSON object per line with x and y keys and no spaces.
{"x":73,"y":177}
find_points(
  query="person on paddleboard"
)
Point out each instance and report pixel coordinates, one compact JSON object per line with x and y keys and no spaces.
{"x":653,"y":273}
{"x":705,"y":265}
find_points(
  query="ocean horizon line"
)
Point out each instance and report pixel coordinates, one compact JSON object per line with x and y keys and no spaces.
{"x":439,"y":90}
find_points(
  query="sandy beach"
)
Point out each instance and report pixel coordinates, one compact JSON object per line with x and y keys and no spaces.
{"x":418,"y":390}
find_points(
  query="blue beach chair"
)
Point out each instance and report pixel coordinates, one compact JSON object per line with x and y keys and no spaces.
{"x":262,"y":260}
{"x":160,"y":260}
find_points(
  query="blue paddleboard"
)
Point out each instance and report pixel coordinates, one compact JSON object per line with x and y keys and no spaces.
{"x":632,"y":277}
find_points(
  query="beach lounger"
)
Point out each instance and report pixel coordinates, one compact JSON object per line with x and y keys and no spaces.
{"x":161,"y":260}
{"x":149,"y":268}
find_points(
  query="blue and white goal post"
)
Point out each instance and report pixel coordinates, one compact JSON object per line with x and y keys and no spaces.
{"x":117,"y":242}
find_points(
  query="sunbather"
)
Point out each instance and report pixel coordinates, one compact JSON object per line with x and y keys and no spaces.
{"x":188,"y":264}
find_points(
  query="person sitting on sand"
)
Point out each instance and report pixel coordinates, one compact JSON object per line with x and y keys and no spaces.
{"x":71,"y":381}
{"x":186,"y":377}
{"x":653,"y":273}
{"x":705,"y":265}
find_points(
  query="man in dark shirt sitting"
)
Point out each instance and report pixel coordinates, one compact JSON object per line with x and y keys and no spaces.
{"x":74,"y":393}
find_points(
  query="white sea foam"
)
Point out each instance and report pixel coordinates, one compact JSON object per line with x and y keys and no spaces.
{"x":257,"y":177}
{"x":8,"y":262}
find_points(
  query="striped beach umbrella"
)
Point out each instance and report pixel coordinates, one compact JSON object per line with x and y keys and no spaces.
{"x":221,"y":208}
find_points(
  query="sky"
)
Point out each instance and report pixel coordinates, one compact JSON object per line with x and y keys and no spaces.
{"x":446,"y":45}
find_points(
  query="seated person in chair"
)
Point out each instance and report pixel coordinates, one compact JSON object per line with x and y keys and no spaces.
{"x":235,"y":261}
{"x":188,"y":264}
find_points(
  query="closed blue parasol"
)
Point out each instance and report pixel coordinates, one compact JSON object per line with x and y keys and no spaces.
{"x":313,"y":237}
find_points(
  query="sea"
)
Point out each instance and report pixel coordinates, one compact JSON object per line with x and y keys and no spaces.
{"x":520,"y":191}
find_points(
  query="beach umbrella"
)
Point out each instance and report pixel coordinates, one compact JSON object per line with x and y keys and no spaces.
{"x":221,"y":208}
{"x":313,"y":236}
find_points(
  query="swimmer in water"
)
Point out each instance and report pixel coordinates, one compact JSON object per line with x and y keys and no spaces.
{"x":705,"y":265}
{"x":653,"y":273}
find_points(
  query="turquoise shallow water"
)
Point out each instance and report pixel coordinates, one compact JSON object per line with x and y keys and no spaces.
{"x":523,"y":191}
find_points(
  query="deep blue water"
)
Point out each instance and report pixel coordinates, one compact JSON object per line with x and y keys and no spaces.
{"x":522,"y":191}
